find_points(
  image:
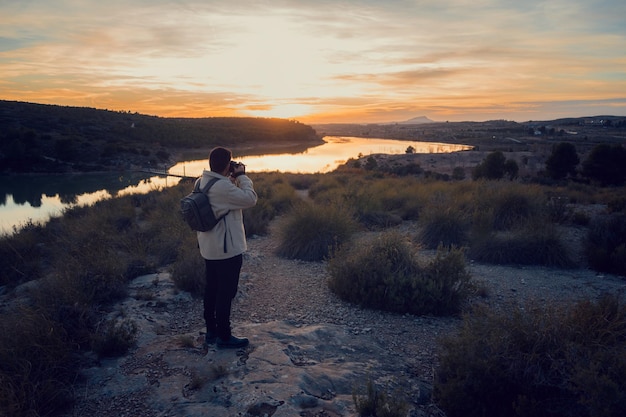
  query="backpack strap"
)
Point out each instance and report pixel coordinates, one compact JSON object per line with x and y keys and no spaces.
{"x":205,"y":190}
{"x":206,"y":187}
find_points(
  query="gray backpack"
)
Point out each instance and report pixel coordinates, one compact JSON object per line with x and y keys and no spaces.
{"x":196,"y":208}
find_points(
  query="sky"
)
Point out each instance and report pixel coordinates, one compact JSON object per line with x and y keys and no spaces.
{"x":319,"y":61}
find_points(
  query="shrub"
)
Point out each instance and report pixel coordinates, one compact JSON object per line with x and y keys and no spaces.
{"x":491,"y":168}
{"x":557,"y":209}
{"x":312,"y":232}
{"x":605,"y":244}
{"x":373,"y":206}
{"x":276,"y":192}
{"x":188,"y":270}
{"x":376,"y":403}
{"x":384,"y":274}
{"x":114,"y":337}
{"x":21,"y":256}
{"x":256,"y":219}
{"x":606,"y":164}
{"x":302,"y":181}
{"x":617,"y":205}
{"x":36,"y":364}
{"x":536,"y":361}
{"x":406,"y":170}
{"x":458,"y":173}
{"x":511,"y":169}
{"x":325,"y":186}
{"x":580,"y":218}
{"x":495,"y":166}
{"x":535,"y":245}
{"x":512,"y":209}
{"x":443,"y":227}
{"x":562,"y":161}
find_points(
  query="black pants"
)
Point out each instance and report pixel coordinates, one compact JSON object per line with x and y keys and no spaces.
{"x":222,"y":280}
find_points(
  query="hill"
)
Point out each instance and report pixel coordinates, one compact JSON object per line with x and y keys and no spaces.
{"x":417,"y":121}
{"x":49,"y":138}
{"x":504,"y":135}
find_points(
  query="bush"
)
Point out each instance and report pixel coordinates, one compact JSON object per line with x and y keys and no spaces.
{"x":443,"y":227}
{"x":188,"y":271}
{"x":606,"y":164}
{"x":512,"y":209}
{"x":384,"y":274}
{"x":536,"y":361}
{"x":275,"y":191}
{"x":376,"y":403}
{"x":36,"y":364}
{"x":114,"y":338}
{"x":21,"y":256}
{"x":495,"y":166}
{"x":617,"y":204}
{"x":374,"y":206}
{"x":312,"y":232}
{"x":327,"y":185}
{"x":491,"y":168}
{"x":605,"y":244}
{"x":538,"y":245}
{"x":256,"y":219}
{"x":458,"y":173}
{"x":562,"y":161}
{"x":88,"y":256}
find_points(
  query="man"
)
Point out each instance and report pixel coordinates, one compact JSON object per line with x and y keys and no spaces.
{"x":223,"y":246}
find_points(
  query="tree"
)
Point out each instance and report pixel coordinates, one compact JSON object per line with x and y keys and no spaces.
{"x":491,"y":168}
{"x":606,"y":164}
{"x":563,"y":161}
{"x":511,"y":169}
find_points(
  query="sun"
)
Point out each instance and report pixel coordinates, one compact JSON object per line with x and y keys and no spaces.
{"x":281,"y":111}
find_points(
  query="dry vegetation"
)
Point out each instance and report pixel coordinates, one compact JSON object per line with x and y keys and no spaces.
{"x":58,"y":279}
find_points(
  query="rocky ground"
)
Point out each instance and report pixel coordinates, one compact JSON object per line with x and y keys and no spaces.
{"x":309,"y":351}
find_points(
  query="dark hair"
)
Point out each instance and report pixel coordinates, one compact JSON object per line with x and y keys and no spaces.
{"x":219,"y":158}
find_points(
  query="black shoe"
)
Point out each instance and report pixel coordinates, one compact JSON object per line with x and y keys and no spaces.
{"x":210,"y":338}
{"x":232,"y":343}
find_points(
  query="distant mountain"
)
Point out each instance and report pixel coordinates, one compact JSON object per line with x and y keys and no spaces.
{"x":417,"y":121}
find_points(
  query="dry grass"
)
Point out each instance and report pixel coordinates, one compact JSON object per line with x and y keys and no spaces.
{"x":84,"y":260}
{"x":558,"y":360}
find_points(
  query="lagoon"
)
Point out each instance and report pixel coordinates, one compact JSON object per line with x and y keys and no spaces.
{"x":323,"y":158}
{"x":36,"y":198}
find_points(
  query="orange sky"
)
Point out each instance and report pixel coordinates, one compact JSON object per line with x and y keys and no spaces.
{"x":320,"y":61}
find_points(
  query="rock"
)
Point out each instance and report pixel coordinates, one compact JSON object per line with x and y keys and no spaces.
{"x":289,"y":369}
{"x":285,"y":370}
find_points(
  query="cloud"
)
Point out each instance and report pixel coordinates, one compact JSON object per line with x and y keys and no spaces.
{"x":250,"y":57}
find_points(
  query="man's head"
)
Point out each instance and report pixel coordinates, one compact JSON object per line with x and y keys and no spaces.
{"x":219,"y":159}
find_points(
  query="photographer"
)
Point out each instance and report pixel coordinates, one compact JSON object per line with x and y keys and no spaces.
{"x":223,"y":246}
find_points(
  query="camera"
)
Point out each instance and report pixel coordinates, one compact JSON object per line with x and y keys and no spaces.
{"x":233,"y":166}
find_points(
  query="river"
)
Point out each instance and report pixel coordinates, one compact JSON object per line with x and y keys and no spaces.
{"x":36,"y":198}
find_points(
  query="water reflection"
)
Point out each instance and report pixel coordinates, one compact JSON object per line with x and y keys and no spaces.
{"x":38,"y":197}
{"x":324,"y":158}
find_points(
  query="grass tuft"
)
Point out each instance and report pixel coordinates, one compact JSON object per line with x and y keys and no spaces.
{"x":384,"y":274}
{"x":376,"y":403}
{"x":114,"y":337}
{"x":605,"y":244}
{"x":312,"y":232}
{"x":536,"y":361}
{"x":531,"y":246}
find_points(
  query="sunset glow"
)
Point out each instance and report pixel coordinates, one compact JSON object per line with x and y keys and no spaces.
{"x":319,"y":61}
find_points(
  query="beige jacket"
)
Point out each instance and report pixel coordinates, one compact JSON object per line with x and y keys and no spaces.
{"x":228,"y":237}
